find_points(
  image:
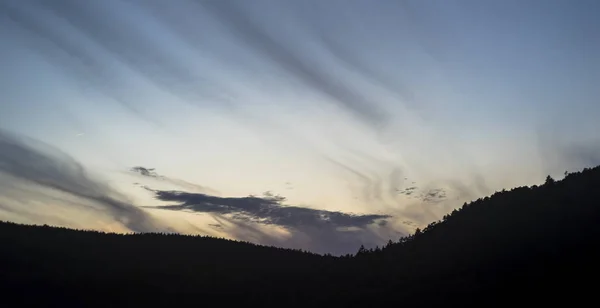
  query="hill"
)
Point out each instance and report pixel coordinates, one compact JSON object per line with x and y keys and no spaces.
{"x":535,"y":243}
{"x":530,"y":245}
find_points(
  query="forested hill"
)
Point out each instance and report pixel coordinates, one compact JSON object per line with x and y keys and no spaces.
{"x":537,"y":243}
{"x":530,"y":245}
{"x":61,"y":256}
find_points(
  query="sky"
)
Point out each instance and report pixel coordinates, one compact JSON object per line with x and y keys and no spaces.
{"x":319,"y":125}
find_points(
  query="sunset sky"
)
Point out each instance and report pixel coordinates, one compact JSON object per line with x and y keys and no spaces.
{"x":370,"y":118}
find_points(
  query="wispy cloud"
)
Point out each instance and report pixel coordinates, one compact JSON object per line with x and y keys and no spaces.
{"x":97,"y":46}
{"x":44,"y":166}
{"x":151,"y":173}
{"x":67,"y":50}
{"x":288,"y":57}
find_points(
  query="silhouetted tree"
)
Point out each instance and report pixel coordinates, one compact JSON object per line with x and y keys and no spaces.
{"x":361,"y":250}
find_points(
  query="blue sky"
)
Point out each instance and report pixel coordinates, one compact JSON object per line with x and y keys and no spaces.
{"x":370,"y":117}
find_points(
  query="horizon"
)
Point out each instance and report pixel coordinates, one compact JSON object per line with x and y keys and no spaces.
{"x":376,"y":248}
{"x":311,"y":125}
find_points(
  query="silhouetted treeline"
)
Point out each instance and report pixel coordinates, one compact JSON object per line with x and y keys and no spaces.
{"x":527,"y":246}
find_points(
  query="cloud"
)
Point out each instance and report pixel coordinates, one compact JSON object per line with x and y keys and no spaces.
{"x":349,"y":57}
{"x":287,"y":57}
{"x":96,"y":45}
{"x":408,"y":191}
{"x":267,"y":209}
{"x":318,"y":230}
{"x":45,"y":35}
{"x":371,"y":186}
{"x":40,"y":165}
{"x":395,"y":180}
{"x":316,"y":239}
{"x":434,"y":195}
{"x":151,"y":173}
{"x":431,"y":195}
{"x":145,"y":171}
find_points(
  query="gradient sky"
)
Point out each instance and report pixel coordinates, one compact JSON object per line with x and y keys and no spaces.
{"x":370,"y":117}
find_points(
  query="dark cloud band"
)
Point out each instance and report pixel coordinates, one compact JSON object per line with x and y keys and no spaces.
{"x":267,"y":210}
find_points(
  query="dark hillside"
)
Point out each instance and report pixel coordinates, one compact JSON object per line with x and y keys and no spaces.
{"x":527,"y":241}
{"x":59,"y":257}
{"x":534,"y":245}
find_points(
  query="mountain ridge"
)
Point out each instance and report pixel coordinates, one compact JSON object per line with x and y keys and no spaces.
{"x":493,"y":247}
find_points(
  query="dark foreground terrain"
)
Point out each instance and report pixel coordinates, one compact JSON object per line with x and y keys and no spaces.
{"x":528,"y":246}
